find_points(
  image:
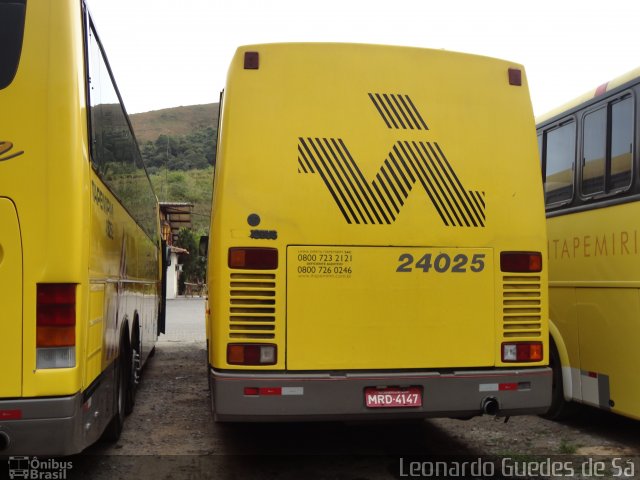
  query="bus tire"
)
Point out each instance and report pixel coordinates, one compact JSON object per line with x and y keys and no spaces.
{"x":559,"y":408}
{"x":114,"y":428}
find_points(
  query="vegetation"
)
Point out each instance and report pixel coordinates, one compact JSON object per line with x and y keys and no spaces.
{"x":178,"y":147}
{"x":195,"y":150}
{"x":193,"y":265}
{"x":567,"y":448}
{"x":193,"y":186}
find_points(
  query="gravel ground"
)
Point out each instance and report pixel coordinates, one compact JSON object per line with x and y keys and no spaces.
{"x":171,"y":434}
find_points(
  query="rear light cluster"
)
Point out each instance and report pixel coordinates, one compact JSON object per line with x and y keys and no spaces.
{"x":56,"y":325}
{"x":252,"y":258}
{"x":251,"y":354}
{"x":521,"y":262}
{"x":522,"y":352}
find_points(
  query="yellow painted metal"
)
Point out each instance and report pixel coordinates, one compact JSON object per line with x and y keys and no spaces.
{"x":11,"y":301}
{"x":65,"y":234}
{"x":594,"y":259}
{"x":362,"y":313}
{"x":330,"y":107}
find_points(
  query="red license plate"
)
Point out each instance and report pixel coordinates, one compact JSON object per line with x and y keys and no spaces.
{"x":393,"y":397}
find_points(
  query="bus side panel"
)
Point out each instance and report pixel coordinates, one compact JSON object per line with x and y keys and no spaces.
{"x":595,"y":297}
{"x":104,"y":269}
{"x":608,"y":318}
{"x":562,"y":308}
{"x":11,"y":301}
{"x":95,"y":333}
{"x":148,"y":260}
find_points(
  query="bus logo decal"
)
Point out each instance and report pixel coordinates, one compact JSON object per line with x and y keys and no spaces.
{"x":379,"y":202}
{"x":5,"y":147}
{"x":398,"y":111}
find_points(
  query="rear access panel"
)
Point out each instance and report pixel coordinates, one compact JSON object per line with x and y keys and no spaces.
{"x":11,"y":301}
{"x":389,"y":307}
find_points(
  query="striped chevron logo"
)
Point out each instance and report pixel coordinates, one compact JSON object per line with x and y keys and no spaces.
{"x":398,"y":111}
{"x":380,"y":201}
{"x":409,"y":162}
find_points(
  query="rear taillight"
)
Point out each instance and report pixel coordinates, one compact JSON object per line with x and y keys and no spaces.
{"x":55,"y":325}
{"x":521,"y":262}
{"x":251,"y":354}
{"x":522,"y":352}
{"x":252,"y":258}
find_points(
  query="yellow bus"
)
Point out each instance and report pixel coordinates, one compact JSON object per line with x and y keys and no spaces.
{"x":80,"y":263}
{"x":377,"y":237}
{"x":590,"y":166}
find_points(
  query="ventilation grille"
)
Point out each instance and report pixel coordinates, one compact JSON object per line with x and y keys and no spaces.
{"x":521,"y":307}
{"x":252,"y":309}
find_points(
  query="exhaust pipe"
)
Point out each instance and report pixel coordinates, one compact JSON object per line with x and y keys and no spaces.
{"x":5,"y":441}
{"x":490,"y":406}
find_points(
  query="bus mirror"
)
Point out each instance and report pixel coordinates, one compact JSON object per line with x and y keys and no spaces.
{"x":204,"y":245}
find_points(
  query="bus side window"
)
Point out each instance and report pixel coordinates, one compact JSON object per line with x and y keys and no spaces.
{"x":608,"y":148}
{"x":622,"y":115}
{"x":114,"y":151}
{"x":560,"y":156}
{"x":594,"y":151}
{"x":12,"y":16}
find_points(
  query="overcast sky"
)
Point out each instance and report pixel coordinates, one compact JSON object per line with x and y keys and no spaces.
{"x":166,"y":53}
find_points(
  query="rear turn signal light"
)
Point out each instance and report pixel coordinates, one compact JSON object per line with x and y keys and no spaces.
{"x":252,"y":258}
{"x":521,"y":262}
{"x":55,"y":325}
{"x":251,"y":354}
{"x":522,"y":352}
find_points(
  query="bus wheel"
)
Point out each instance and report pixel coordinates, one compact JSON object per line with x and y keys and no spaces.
{"x":559,"y":408}
{"x":114,"y":428}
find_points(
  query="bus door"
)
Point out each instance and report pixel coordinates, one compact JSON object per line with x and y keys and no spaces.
{"x":11,"y":301}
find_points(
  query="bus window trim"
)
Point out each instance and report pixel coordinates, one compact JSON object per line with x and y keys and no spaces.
{"x":554,"y":126}
{"x":607,"y":103}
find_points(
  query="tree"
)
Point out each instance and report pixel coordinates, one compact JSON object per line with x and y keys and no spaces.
{"x":193,"y":266}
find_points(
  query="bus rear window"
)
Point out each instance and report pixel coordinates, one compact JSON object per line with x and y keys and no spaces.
{"x":11,"y":29}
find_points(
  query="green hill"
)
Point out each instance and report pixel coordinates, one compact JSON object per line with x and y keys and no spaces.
{"x":176,"y":121}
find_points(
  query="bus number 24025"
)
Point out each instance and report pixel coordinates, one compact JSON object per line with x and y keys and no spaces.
{"x":442,"y":263}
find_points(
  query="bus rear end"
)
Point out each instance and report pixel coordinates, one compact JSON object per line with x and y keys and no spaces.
{"x":377,"y":237}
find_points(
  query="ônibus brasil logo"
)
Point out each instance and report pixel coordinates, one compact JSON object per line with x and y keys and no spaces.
{"x":35,"y":469}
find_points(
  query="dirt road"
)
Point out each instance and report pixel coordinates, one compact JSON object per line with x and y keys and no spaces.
{"x":171,"y":434}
